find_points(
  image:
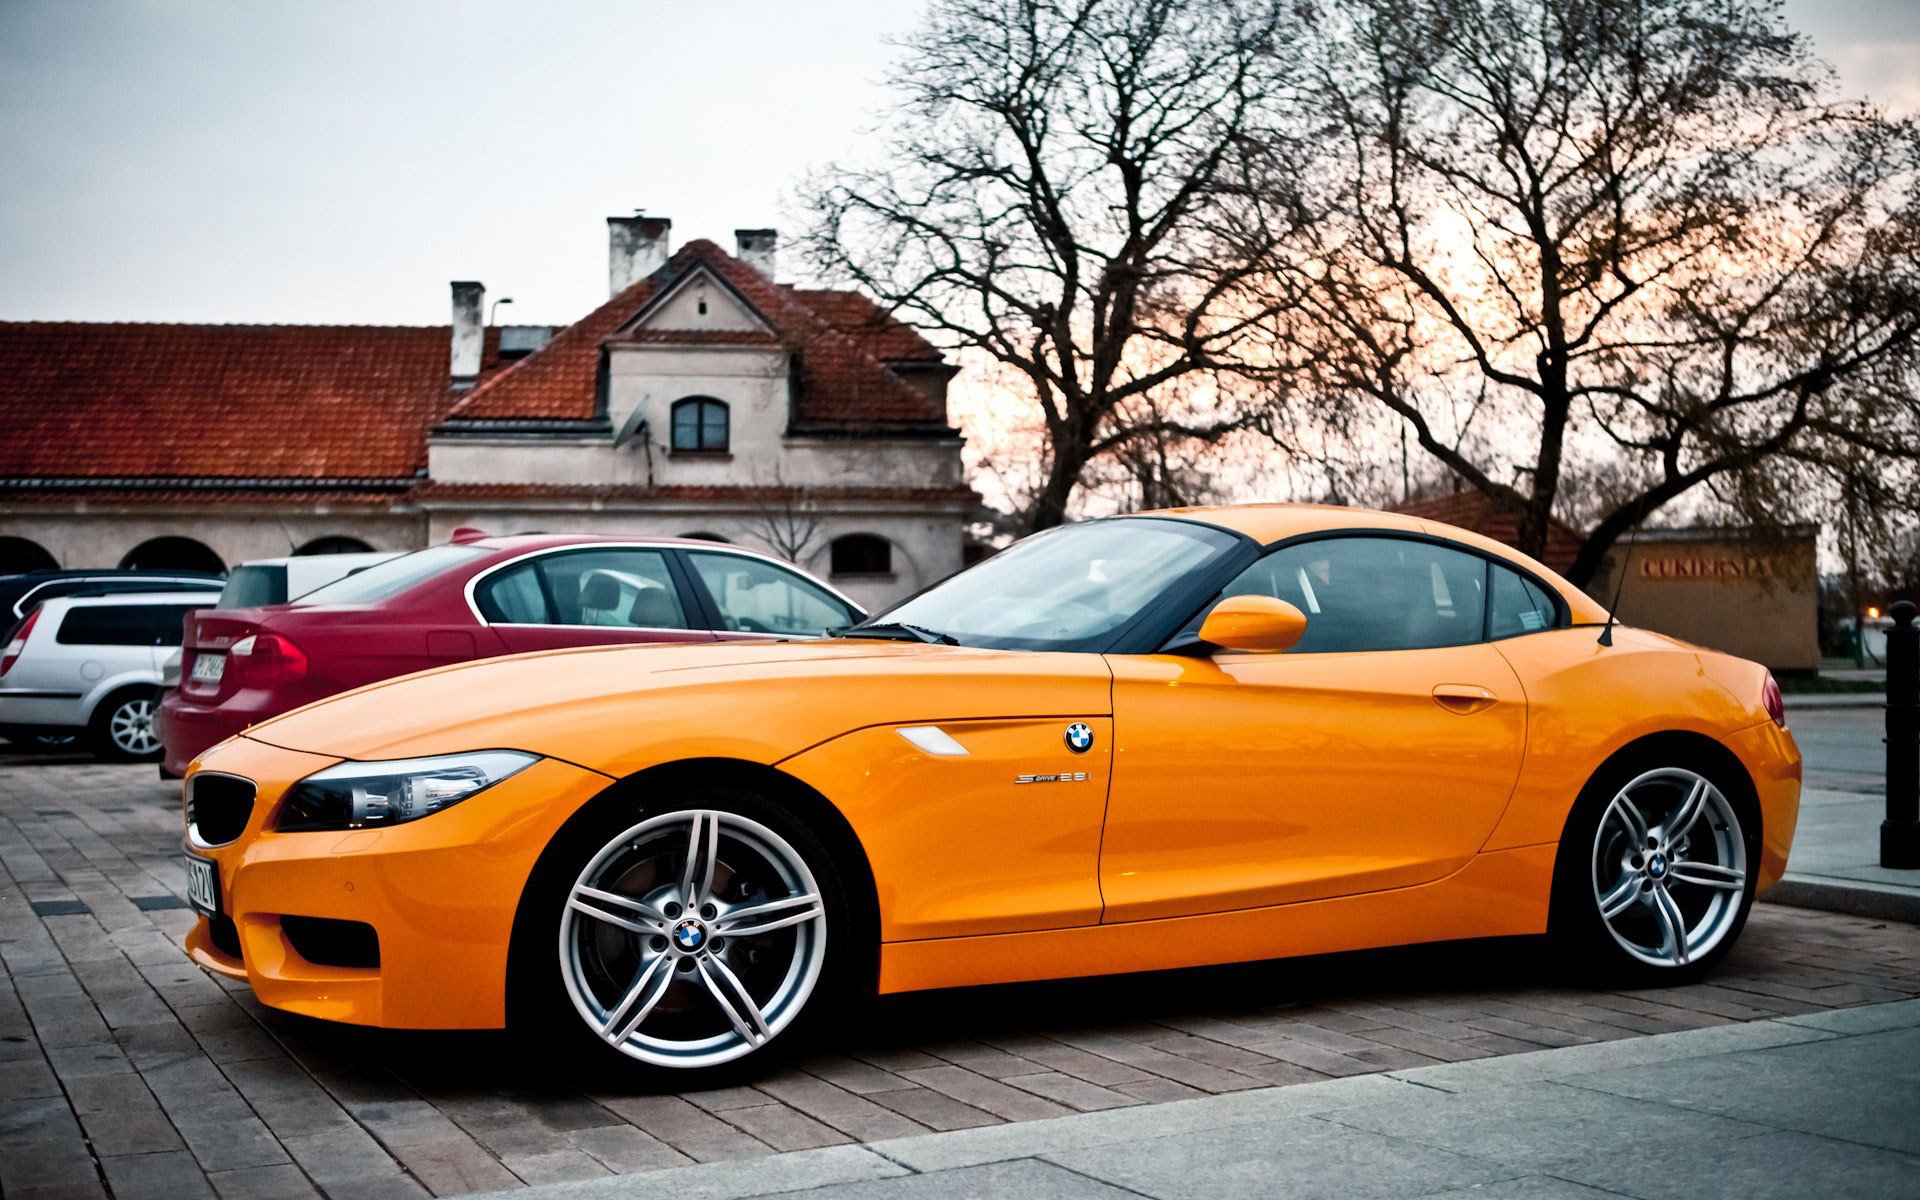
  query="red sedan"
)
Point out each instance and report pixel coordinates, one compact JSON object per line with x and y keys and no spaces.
{"x":472,"y":598}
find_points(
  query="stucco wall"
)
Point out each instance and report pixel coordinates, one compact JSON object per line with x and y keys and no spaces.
{"x":82,"y":535}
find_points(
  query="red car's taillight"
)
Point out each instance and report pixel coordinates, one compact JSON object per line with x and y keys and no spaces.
{"x":18,"y":643}
{"x":264,"y":659}
{"x":1775,"y":703}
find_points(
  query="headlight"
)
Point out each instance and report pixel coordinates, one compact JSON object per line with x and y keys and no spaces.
{"x":374,"y":795}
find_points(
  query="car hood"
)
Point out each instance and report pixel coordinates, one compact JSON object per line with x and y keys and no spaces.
{"x":620,"y":709}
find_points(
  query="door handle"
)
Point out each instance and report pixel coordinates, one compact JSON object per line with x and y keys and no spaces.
{"x":1464,"y":698}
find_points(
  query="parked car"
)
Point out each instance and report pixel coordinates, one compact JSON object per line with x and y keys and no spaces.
{"x":1140,"y":743}
{"x":267,"y":581}
{"x":91,"y":665}
{"x":475,"y":599}
{"x":19,"y":593}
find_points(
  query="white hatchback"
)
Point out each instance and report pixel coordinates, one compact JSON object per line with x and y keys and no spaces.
{"x":92,"y":665}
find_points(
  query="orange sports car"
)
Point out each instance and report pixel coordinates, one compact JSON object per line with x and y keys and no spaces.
{"x":1198,"y":736}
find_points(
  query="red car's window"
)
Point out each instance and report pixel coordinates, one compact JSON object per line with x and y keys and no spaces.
{"x":620,"y":587}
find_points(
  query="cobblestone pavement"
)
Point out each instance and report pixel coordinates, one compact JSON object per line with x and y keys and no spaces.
{"x":127,"y":1071}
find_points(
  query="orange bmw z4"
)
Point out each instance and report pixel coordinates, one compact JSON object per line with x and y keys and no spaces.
{"x":1145,"y":742}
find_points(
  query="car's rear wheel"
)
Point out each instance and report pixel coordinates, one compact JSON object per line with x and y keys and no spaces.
{"x":682,"y":939}
{"x":1654,"y":878}
{"x":123,"y":729}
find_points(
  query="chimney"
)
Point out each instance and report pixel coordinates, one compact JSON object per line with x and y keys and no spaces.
{"x":469,"y":331}
{"x":757,"y":248}
{"x":636,"y":248}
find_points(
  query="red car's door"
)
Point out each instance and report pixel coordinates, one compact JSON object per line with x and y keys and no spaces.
{"x":588,"y":596}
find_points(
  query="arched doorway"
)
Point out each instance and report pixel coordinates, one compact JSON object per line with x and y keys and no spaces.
{"x":335,"y":544}
{"x":173,"y":554}
{"x":18,"y":555}
{"x":860,"y":554}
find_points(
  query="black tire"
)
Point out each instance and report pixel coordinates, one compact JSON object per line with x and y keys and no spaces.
{"x":542,"y":1008}
{"x":1584,"y":942}
{"x":119,"y":733}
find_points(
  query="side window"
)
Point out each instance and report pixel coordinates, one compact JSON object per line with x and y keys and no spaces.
{"x":755,"y":596}
{"x":621,"y":587}
{"x":1374,"y":593}
{"x":1519,"y":606}
{"x":514,"y":597}
{"x":110,"y":625}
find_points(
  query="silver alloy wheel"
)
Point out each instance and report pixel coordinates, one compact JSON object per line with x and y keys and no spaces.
{"x":1669,"y":867}
{"x":693,"y":938}
{"x":131,"y":727}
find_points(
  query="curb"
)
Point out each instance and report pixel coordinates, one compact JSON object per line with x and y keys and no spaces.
{"x":1883,"y":902}
{"x":1807,"y":700}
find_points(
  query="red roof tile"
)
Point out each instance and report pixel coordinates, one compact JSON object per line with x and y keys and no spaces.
{"x":1476,"y":511}
{"x":196,"y":401}
{"x":838,"y":344}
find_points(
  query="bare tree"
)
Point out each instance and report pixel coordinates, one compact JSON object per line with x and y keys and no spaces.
{"x":1633,"y":245}
{"x":785,"y":518}
{"x":1077,"y":189}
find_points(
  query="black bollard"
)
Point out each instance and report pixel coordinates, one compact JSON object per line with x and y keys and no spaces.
{"x":1900,"y":832}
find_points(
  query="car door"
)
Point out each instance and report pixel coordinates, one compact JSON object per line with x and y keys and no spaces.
{"x":1378,"y":753}
{"x":751,"y":597}
{"x":589,"y":596}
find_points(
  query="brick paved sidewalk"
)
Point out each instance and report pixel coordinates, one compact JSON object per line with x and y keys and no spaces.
{"x":125,"y":1070}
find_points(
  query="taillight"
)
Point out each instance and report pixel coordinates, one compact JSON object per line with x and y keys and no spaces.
{"x":265,"y":659}
{"x":1775,"y":703}
{"x":18,"y":643}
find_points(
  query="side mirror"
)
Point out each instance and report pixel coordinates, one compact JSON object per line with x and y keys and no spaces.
{"x":1258,"y":623}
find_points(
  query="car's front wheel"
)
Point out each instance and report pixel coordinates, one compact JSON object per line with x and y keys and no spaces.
{"x":1654,"y":881}
{"x":681,"y":939}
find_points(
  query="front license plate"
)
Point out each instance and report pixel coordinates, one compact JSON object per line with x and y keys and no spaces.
{"x":203,"y":886}
{"x":208,"y":668}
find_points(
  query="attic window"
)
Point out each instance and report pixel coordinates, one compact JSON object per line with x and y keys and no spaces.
{"x":703,"y":306}
{"x":699,"y":425}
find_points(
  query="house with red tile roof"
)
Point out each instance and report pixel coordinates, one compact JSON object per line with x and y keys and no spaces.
{"x":703,"y":397}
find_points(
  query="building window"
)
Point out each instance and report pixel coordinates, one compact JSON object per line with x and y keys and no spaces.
{"x":699,"y":426}
{"x":862,"y":554}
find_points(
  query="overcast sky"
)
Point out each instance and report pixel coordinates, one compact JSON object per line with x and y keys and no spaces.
{"x":274,"y":161}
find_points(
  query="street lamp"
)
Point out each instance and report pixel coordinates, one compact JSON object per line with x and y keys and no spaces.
{"x":494,"y":313}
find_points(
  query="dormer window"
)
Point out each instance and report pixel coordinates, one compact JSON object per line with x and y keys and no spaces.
{"x":699,"y":426}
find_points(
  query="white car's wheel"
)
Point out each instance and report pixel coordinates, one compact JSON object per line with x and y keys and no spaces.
{"x":123,"y":729}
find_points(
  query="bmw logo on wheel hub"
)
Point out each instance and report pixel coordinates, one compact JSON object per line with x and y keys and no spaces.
{"x":1657,"y":865}
{"x":1079,"y":737}
{"x":689,"y":935}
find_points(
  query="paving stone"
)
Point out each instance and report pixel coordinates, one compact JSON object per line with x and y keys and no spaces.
{"x":284,"y":1182}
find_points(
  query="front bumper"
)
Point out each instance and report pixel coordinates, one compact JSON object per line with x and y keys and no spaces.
{"x":440,"y":893}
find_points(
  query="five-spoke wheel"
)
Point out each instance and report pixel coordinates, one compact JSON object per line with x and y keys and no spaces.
{"x":1662,"y":869}
{"x":693,"y":938}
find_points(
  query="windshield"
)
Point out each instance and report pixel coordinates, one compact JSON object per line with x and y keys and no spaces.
{"x":394,"y":576}
{"x":1071,"y":588}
